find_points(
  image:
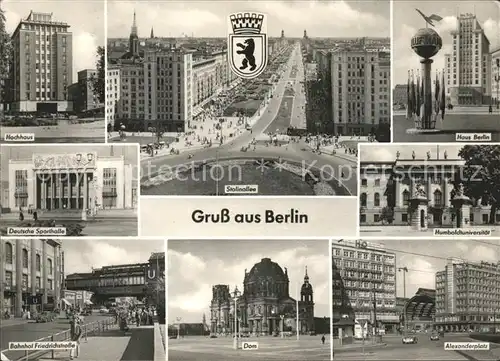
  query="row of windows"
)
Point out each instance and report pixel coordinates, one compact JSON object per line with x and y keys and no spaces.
{"x":25,"y":258}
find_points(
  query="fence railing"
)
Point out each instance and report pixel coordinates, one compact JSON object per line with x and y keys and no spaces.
{"x":89,"y":329}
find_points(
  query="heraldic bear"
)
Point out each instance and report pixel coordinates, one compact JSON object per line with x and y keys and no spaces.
{"x":248,"y":50}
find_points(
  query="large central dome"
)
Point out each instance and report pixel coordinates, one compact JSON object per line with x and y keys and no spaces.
{"x":266,"y":269}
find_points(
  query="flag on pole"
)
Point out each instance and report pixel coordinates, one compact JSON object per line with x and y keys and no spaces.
{"x":408,"y":98}
{"x":443,"y":96}
{"x":419,"y":99}
{"x":430,"y":19}
{"x":437,"y":95}
{"x":413,"y":94}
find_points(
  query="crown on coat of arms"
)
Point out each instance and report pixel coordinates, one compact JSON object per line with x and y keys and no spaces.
{"x":246,"y":23}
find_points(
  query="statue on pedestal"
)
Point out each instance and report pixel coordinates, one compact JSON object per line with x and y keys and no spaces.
{"x":419,"y":191}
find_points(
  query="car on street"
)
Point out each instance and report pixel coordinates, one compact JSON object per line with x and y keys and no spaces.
{"x":103,"y":310}
{"x":434,"y":337}
{"x":409,"y":340}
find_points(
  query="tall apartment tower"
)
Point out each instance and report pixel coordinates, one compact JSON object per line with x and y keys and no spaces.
{"x":42,"y":65}
{"x":468,"y":67}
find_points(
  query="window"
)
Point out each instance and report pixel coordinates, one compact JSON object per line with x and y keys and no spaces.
{"x":8,"y":278}
{"x":38,"y":263}
{"x":25,"y":282}
{"x":438,"y":198}
{"x":362,"y":218}
{"x":49,"y":264}
{"x":109,"y":194}
{"x":377,"y":182}
{"x":406,"y":198}
{"x":38,"y":282}
{"x":376,"y":199}
{"x":376,"y":218}
{"x":404,"y":217}
{"x":21,"y":188}
{"x":8,"y":253}
{"x":362,"y":200}
{"x":364,"y":182}
{"x":25,"y":258}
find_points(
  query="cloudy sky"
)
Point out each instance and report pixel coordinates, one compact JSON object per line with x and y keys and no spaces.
{"x":407,"y":21}
{"x":424,"y":258}
{"x":324,"y":18}
{"x":195,"y":266}
{"x":86,"y":19}
{"x":129,"y":152}
{"x":80,"y":255}
{"x":387,"y":152}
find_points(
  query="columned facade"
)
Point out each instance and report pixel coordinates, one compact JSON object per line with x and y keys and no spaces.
{"x":71,"y":182}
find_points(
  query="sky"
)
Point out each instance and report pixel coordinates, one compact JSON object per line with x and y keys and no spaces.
{"x":195,"y":266}
{"x":387,"y":152}
{"x":80,"y":255}
{"x":323,"y":18}
{"x":424,"y":258}
{"x":86,"y":19}
{"x":407,"y":21}
{"x":129,"y":152}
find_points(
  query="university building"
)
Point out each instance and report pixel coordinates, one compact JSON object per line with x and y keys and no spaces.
{"x":468,"y":296}
{"x":72,"y":181}
{"x":30,"y":267}
{"x":389,"y":186}
{"x":468,"y":66}
{"x":42,"y":65}
{"x":364,"y":286}
{"x":265,"y":306}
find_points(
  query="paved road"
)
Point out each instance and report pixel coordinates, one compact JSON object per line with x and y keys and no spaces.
{"x":423,"y":350}
{"x":452,"y":124}
{"x":33,"y":331}
{"x":268,"y":122}
{"x":206,"y":349}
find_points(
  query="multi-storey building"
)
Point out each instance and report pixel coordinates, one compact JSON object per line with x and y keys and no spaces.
{"x":468,"y":66}
{"x":87,"y":99}
{"x":42,"y":65}
{"x":30,"y":267}
{"x":399,"y":94}
{"x":364,"y":285}
{"x":387,"y":187}
{"x":468,"y":296}
{"x":209,"y":76}
{"x":113,"y":94}
{"x":360,"y":90}
{"x":495,"y":75}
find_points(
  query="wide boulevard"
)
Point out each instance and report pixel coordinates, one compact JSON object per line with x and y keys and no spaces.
{"x":269,"y":122}
{"x":425,"y":349}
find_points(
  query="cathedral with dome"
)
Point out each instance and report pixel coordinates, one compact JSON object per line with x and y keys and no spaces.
{"x":264,"y":306}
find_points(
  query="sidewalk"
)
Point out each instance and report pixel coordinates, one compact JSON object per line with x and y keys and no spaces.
{"x":13,"y":322}
{"x":114,"y":345}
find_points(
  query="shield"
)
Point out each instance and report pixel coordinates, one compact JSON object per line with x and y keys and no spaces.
{"x":251,"y":64}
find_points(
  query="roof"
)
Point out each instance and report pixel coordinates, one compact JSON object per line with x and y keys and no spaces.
{"x":266,"y":269}
{"x":421,"y":306}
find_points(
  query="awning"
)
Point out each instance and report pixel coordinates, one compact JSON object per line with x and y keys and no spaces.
{"x":87,"y":302}
{"x":66,"y":302}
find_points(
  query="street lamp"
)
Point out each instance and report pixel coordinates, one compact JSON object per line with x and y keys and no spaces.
{"x":236,"y":294}
{"x":282,"y":317}
{"x":178,"y":319}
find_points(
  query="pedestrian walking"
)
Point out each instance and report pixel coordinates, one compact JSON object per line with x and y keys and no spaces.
{"x":76,"y":334}
{"x":137,"y":318}
{"x":323,"y":339}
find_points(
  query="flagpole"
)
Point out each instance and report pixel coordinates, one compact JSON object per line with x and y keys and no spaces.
{"x":297,"y":309}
